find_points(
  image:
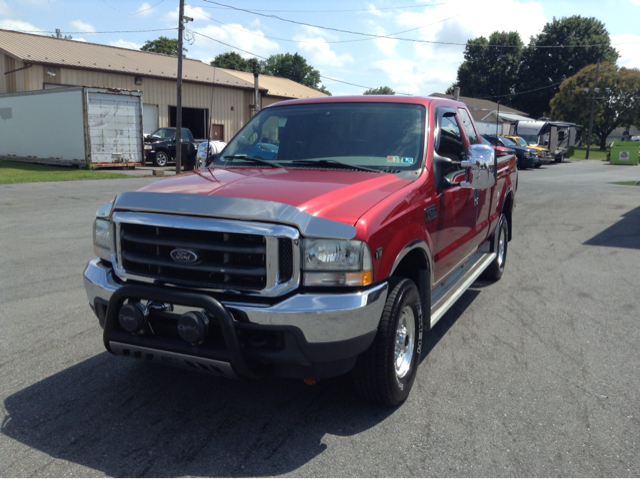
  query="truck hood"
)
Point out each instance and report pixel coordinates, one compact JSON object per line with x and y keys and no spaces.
{"x":342,"y":196}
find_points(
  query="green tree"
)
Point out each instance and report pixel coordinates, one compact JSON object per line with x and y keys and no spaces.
{"x":383,"y":90}
{"x":164,"y":45}
{"x":294,"y":67}
{"x":617,"y":104}
{"x":490,"y":67}
{"x":233,"y":61}
{"x":543,"y":64}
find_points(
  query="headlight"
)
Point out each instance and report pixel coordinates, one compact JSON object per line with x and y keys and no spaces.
{"x":102,"y":232}
{"x":328,"y":262}
{"x":102,"y":238}
{"x":147,"y":147}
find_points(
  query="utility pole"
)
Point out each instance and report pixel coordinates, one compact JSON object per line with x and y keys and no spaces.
{"x":179,"y":96}
{"x":593,"y":106}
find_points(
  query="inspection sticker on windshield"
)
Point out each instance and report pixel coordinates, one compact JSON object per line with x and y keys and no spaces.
{"x":400,"y":159}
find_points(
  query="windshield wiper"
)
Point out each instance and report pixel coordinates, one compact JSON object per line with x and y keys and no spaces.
{"x":334,"y":163}
{"x":254,"y":160}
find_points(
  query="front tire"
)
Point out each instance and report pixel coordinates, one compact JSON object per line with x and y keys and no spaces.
{"x":560,"y":159}
{"x":161,"y":159}
{"x":496,"y":268}
{"x":384,"y":374}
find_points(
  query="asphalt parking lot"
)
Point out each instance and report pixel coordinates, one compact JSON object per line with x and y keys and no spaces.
{"x":535,"y":375}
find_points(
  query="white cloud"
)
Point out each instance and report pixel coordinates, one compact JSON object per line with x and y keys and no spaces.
{"x":124,"y":44}
{"x":320,"y":53}
{"x":83,"y":27}
{"x":4,"y":8}
{"x":19,"y":25}
{"x":318,"y":32}
{"x":386,"y":45}
{"x":144,"y":10}
{"x":628,"y":45}
{"x":407,"y":76}
{"x":445,"y":30}
{"x":253,"y":41}
{"x":373,"y":10}
{"x":79,"y":40}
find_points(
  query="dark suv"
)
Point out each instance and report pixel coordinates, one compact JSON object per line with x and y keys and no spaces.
{"x":527,"y":157}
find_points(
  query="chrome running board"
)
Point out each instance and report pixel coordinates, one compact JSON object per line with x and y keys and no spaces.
{"x":448,"y":291}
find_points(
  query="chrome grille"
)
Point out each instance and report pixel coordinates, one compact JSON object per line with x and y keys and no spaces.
{"x":222,"y":255}
{"x":229,"y":260}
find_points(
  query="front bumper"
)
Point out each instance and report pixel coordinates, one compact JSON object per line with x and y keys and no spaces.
{"x":321,"y":334}
{"x":529,"y":161}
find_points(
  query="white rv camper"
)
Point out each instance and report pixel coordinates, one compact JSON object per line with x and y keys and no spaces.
{"x":559,"y":137}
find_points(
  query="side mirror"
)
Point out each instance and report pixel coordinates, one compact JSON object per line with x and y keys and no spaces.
{"x":481,"y":167}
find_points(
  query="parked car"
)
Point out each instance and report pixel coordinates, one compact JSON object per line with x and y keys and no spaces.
{"x":207,"y":152}
{"x":160,"y":147}
{"x":527,"y":157}
{"x":373,"y":217}
{"x":500,"y":150}
{"x":544,"y":155}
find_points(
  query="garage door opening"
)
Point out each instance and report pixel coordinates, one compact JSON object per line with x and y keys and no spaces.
{"x":196,"y":119}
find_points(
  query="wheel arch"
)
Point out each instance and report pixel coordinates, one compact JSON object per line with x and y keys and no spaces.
{"x":414,"y":262}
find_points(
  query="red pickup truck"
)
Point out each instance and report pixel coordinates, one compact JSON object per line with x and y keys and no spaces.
{"x":328,"y":236}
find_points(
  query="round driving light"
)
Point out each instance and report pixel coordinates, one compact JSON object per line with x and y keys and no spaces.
{"x":193,"y":326}
{"x":133,"y":317}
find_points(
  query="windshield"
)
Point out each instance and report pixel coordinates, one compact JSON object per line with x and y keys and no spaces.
{"x":508,"y":142}
{"x":532,"y":139}
{"x":521,"y":141}
{"x":379,"y":136}
{"x":163,"y":133}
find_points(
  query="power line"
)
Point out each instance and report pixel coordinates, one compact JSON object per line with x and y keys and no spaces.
{"x":265,"y":58}
{"x":375,"y":37}
{"x":254,"y":12}
{"x":135,"y":13}
{"x":518,"y":93}
{"x":338,"y":11}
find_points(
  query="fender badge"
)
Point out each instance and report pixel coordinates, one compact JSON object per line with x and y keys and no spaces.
{"x":184,"y":256}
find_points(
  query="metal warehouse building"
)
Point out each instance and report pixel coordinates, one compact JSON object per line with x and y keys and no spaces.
{"x":214,"y":100}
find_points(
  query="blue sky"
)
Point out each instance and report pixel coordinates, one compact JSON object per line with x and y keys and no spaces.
{"x":413,"y":66}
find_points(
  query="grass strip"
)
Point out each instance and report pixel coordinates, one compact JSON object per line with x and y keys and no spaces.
{"x":594,"y":153}
{"x":19,"y":172}
{"x":627,"y":183}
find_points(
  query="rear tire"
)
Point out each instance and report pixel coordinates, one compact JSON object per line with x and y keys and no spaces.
{"x":384,"y":374}
{"x":496,"y":268}
{"x":560,"y":159}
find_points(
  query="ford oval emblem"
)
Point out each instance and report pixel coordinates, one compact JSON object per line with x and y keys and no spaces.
{"x":186,"y":256}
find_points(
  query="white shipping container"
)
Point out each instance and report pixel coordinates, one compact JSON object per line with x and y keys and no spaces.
{"x":82,"y":126}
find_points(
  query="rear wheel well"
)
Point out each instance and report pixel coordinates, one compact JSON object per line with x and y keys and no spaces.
{"x":507,"y":210}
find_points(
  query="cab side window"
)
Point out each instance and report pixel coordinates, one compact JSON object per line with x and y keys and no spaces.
{"x":450,"y":142}
{"x":468,"y":126}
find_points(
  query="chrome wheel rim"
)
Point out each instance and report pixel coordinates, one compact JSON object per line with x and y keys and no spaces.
{"x":161,"y":159}
{"x":405,"y":339}
{"x":501,"y":248}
